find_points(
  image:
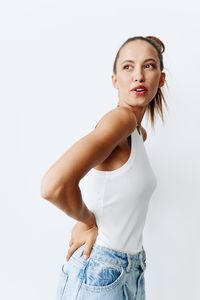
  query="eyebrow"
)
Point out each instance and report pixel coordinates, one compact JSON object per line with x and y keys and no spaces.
{"x":131,"y":61}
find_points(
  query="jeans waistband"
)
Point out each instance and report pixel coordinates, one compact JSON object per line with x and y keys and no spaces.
{"x":117,"y":258}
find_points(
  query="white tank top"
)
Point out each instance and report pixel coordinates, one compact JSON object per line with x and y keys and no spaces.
{"x":119,"y":199}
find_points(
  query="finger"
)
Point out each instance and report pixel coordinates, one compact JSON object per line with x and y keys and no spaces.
{"x":87,"y":250}
{"x":71,"y":250}
{"x":70,"y":243}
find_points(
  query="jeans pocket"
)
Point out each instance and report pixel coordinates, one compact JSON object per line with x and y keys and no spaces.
{"x":62,"y":282}
{"x":100,"y":276}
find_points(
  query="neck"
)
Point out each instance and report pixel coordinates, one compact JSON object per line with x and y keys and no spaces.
{"x":139,"y":112}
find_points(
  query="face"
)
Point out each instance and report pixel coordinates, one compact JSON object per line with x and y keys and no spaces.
{"x":137,"y":65}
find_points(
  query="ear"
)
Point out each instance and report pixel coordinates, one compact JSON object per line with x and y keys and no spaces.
{"x":162,"y":79}
{"x":114,"y":81}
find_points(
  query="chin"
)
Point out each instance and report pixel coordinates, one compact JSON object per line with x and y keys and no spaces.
{"x":139,"y":103}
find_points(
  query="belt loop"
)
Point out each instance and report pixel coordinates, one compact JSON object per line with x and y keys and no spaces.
{"x":128,"y":268}
{"x":142,"y":257}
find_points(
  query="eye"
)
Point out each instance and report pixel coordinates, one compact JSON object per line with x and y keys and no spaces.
{"x":150,"y":66}
{"x":127,"y":67}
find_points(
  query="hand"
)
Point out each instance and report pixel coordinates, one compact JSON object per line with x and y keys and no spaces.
{"x":82,"y":234}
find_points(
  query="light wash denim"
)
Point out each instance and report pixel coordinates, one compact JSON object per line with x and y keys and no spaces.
{"x":106,"y":275}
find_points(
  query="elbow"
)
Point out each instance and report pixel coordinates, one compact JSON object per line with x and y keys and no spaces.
{"x":50,"y":191}
{"x":45,"y":193}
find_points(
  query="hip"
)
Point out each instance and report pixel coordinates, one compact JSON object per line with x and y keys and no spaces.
{"x":106,"y":274}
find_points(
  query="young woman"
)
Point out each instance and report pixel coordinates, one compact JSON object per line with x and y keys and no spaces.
{"x":106,"y":259}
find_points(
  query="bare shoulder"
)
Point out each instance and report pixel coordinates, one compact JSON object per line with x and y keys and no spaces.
{"x":144,"y":133}
{"x":119,"y":117}
{"x":93,"y":148}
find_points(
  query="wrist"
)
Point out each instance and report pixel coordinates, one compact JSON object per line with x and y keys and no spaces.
{"x":90,"y":219}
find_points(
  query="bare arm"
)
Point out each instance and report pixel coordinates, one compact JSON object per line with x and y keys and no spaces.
{"x":60,"y":184}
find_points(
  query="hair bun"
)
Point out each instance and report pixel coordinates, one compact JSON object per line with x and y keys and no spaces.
{"x":158,"y":43}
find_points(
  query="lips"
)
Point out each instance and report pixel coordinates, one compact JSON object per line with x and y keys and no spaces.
{"x":139,"y":88}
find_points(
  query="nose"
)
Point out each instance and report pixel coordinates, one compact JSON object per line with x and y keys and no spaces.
{"x":138,"y":75}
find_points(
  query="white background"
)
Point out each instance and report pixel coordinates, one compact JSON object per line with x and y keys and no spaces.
{"x":55,"y":83}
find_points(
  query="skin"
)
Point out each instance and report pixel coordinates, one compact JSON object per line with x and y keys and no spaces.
{"x":138,"y":63}
{"x":107,"y":146}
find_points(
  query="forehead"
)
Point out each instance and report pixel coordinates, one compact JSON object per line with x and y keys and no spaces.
{"x":138,"y":50}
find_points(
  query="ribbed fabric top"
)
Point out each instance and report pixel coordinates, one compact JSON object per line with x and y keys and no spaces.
{"x":120,"y":198}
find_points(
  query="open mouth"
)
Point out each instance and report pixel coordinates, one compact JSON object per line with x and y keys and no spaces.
{"x":139,"y":90}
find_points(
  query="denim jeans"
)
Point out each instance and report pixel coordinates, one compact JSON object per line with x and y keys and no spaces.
{"x":106,"y":275}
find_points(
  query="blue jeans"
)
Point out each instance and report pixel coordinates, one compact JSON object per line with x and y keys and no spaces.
{"x":106,"y":275}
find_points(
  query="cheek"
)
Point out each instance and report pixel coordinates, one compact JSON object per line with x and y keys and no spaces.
{"x":124,"y":80}
{"x":156,"y":79}
{"x":154,"y":83}
{"x":154,"y":89}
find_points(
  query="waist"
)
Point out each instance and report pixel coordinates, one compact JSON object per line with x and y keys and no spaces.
{"x":116,"y":258}
{"x":130,"y":237}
